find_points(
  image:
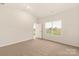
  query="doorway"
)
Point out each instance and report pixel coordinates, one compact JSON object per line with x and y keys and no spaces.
{"x":37,"y":31}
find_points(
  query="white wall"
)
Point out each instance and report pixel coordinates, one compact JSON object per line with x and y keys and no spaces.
{"x":15,"y":26}
{"x":70,"y":23}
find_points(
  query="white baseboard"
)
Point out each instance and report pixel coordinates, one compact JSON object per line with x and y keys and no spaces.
{"x":14,"y":42}
{"x":77,"y":46}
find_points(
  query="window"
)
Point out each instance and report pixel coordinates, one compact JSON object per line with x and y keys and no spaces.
{"x":54,"y":28}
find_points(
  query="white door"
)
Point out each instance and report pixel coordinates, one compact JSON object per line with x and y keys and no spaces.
{"x":37,"y":31}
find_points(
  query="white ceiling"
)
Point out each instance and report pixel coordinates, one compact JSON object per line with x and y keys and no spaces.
{"x":42,"y":9}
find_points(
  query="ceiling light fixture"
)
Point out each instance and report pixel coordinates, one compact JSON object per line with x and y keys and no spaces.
{"x":28,"y":7}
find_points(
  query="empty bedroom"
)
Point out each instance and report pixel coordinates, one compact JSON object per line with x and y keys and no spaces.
{"x":39,"y":29}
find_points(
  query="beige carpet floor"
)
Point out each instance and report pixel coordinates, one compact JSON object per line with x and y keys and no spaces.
{"x":38,"y":47}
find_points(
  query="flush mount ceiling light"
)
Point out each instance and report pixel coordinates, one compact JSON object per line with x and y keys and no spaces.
{"x":28,"y":7}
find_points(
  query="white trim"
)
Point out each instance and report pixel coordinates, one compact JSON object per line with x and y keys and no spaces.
{"x":14,"y":42}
